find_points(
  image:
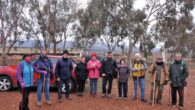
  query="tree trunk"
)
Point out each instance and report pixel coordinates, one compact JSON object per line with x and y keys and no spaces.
{"x":54,"y":48}
{"x":64,"y":46}
{"x":4,"y":55}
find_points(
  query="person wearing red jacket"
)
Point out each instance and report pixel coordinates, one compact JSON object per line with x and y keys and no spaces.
{"x":93,"y":66}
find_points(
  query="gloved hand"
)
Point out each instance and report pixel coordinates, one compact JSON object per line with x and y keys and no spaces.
{"x":22,"y":85}
{"x":166,"y":82}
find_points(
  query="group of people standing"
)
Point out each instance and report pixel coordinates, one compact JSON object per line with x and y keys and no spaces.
{"x":109,"y":70}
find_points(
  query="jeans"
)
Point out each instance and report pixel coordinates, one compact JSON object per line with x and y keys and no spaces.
{"x":25,"y":99}
{"x":80,"y":85}
{"x":40,"y":82}
{"x":107,"y":79}
{"x":174,"y":95}
{"x":123,"y":86}
{"x":60,"y":86}
{"x":93,"y":86}
{"x":142,"y":87}
{"x":160,"y":90}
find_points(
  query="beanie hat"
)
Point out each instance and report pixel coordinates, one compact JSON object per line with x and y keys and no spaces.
{"x":65,"y":52}
{"x":93,"y":54}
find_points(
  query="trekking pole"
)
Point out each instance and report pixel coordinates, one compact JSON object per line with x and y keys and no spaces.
{"x":137,"y":91}
{"x":169,"y":94}
{"x":154,"y":89}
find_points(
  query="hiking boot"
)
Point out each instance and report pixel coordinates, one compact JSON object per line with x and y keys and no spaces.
{"x":103,"y":95}
{"x":79,"y":94}
{"x":159,"y":102}
{"x":60,"y":100}
{"x":143,"y":100}
{"x":134,"y":98}
{"x":48,"y":102}
{"x":39,"y":104}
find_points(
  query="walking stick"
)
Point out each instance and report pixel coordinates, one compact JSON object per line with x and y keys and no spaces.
{"x":154,"y":89}
{"x":44,"y":80}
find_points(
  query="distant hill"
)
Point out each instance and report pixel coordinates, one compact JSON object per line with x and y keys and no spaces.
{"x":98,"y":47}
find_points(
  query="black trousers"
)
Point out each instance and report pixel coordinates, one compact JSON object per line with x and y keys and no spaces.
{"x":25,"y":98}
{"x":107,"y":79}
{"x":80,"y":85}
{"x":60,"y":86}
{"x":122,"y":86}
{"x":180,"y":91}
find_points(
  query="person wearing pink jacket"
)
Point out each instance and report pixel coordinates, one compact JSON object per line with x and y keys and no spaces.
{"x":93,"y":66}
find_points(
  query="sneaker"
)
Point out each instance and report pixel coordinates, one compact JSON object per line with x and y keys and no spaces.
{"x":134,"y":98}
{"x":60,"y":100}
{"x":39,"y":104}
{"x":109,"y":95}
{"x":125,"y":98}
{"x":103,"y":95}
{"x":48,"y":102}
{"x":181,"y":108}
{"x":94,"y":94}
{"x":173,"y":106}
{"x":143,"y":100}
{"x":82,"y":95}
{"x":68,"y":97}
{"x":120,"y":98}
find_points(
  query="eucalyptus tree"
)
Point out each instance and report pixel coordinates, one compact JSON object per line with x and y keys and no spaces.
{"x":11,"y":22}
{"x":49,"y":20}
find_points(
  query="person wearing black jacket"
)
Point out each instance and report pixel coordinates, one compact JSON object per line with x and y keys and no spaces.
{"x":63,"y":73}
{"x":109,"y":68}
{"x":82,"y":74}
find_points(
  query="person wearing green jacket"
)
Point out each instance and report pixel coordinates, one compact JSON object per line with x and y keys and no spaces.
{"x":178,"y":72}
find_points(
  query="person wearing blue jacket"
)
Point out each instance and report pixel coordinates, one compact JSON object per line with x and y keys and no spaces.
{"x":45,"y":64}
{"x":63,"y":73}
{"x":24,"y":74}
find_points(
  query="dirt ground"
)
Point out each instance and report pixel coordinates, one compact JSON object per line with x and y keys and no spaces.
{"x":10,"y":100}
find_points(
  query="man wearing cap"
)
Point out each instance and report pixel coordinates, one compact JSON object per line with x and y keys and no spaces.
{"x":178,"y":72}
{"x":63,"y":73}
{"x":138,"y":69}
{"x":45,"y":64}
{"x":93,"y":66}
{"x":159,"y":78}
{"x":109,"y":68}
